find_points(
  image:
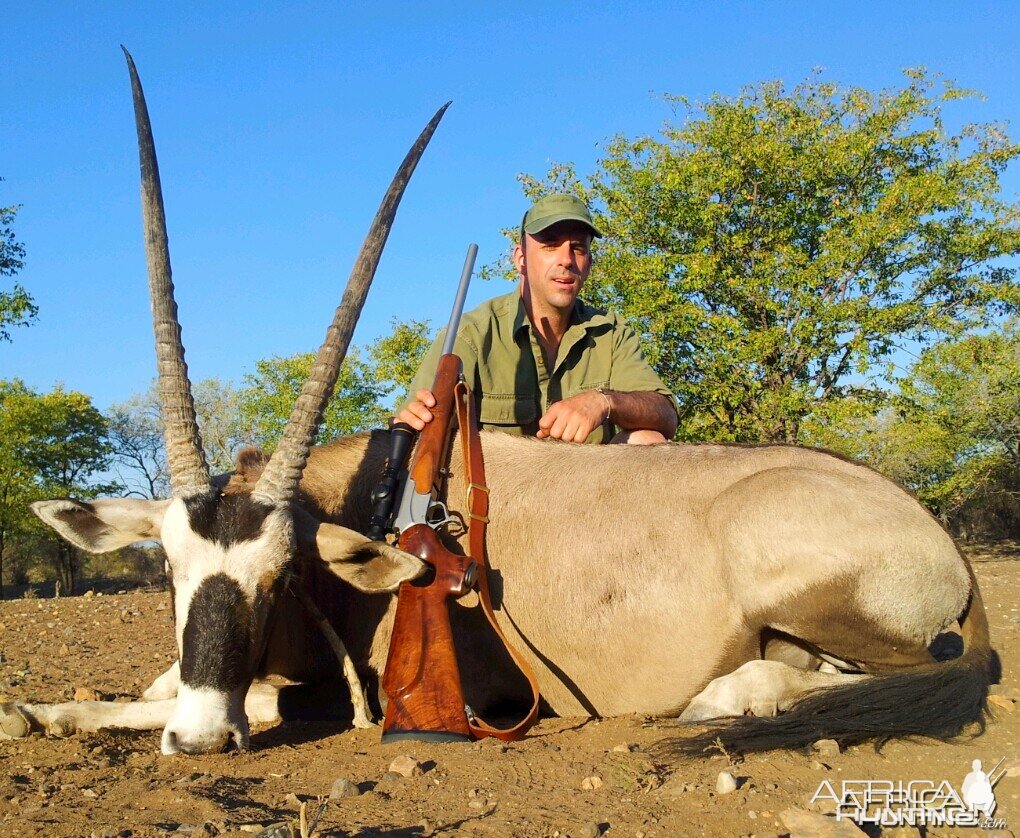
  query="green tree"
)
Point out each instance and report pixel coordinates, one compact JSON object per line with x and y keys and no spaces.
{"x":51,"y":445}
{"x":395,"y":358}
{"x":16,"y":306}
{"x":774,"y":248}
{"x":269,"y":394}
{"x":951,"y":434}
{"x":372,"y":380}
{"x":18,"y":486}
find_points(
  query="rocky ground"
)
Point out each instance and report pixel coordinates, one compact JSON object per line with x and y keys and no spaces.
{"x":570,"y":777}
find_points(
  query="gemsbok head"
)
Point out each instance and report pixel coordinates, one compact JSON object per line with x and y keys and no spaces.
{"x":228,"y":555}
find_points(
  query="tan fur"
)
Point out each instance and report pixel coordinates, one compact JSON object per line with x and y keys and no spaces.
{"x":668,"y":562}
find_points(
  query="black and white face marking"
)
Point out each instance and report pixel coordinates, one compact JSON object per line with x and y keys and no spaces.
{"x":217,"y":636}
{"x":225,"y":555}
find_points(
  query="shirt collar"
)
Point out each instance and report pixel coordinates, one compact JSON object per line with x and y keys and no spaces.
{"x":582,"y":315}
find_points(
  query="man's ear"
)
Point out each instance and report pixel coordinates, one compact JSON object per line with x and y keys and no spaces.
{"x":99,"y":526}
{"x":518,"y":257}
{"x":370,"y":566}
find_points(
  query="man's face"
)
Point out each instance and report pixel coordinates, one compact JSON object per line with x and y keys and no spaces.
{"x":554,"y":265}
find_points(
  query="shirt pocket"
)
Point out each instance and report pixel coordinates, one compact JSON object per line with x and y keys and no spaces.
{"x":574,"y":389}
{"x":507,"y":410}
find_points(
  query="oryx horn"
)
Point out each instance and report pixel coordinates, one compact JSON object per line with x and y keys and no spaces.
{"x":281,"y":475}
{"x":189,"y":473}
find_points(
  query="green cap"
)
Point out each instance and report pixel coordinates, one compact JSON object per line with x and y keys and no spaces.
{"x":555,"y":208}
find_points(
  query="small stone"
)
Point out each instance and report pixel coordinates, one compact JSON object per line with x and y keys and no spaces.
{"x":406,"y":766}
{"x":63,"y":650}
{"x":673,"y":787}
{"x":591,"y":783}
{"x":826,"y":747}
{"x":624,"y":748}
{"x":1012,"y":693}
{"x":591,"y":830}
{"x":725,"y":783}
{"x":478,"y":803}
{"x":815,"y":765}
{"x":342,"y":787}
{"x":292,"y":800}
{"x":806,"y":824}
{"x":1002,"y":703}
{"x":89,"y":594}
{"x":86,"y":694}
{"x":89,"y":793}
{"x":390,"y":777}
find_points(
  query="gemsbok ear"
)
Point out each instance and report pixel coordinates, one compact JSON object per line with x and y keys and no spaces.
{"x":370,"y":566}
{"x":99,"y":526}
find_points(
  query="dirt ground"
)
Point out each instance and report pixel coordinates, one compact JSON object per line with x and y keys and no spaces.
{"x":117,"y":783}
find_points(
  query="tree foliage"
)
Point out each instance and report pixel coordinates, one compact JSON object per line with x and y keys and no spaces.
{"x":139,"y":453}
{"x":952,"y":433}
{"x":16,"y":306}
{"x":775,"y":247}
{"x":270,"y":393}
{"x":222,"y":422}
{"x":51,"y":445}
{"x":136,"y":433}
{"x":396,"y":357}
{"x":371,"y":380}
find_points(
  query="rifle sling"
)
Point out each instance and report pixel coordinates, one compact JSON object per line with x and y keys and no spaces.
{"x":478,"y":512}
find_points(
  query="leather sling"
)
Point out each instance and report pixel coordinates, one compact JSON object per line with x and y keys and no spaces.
{"x":478,"y":517}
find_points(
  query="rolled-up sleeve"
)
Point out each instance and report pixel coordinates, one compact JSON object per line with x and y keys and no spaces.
{"x":630,"y":372}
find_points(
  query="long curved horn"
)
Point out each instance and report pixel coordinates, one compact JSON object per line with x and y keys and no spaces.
{"x":282,"y":473}
{"x":189,"y":473}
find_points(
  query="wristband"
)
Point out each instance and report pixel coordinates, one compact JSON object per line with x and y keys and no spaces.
{"x":609,"y":404}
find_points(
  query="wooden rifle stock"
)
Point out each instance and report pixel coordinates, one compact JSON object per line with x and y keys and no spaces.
{"x":422,"y":679}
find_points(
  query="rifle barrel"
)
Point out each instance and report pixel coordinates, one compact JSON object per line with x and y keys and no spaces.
{"x":458,"y":303}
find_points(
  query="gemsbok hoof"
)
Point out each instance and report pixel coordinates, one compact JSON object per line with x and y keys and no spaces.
{"x":13,"y":724}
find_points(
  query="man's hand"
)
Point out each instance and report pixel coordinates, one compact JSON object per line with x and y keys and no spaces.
{"x":571,"y":420}
{"x":417,"y":413}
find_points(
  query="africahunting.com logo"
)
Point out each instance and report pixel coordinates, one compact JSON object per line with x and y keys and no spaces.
{"x":920,"y":803}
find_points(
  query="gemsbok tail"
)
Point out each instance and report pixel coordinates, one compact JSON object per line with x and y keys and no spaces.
{"x":936,"y":700}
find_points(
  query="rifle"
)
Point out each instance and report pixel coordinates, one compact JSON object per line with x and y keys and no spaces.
{"x":422,"y":678}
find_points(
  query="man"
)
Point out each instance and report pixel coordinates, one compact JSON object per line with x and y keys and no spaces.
{"x":543,"y":363}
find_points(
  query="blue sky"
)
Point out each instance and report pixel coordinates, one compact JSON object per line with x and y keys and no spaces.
{"x":279,"y":126}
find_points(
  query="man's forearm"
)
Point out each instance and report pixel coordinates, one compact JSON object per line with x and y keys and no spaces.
{"x":642,"y":411}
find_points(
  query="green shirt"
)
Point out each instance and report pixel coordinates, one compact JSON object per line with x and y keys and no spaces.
{"x":506,"y":369}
